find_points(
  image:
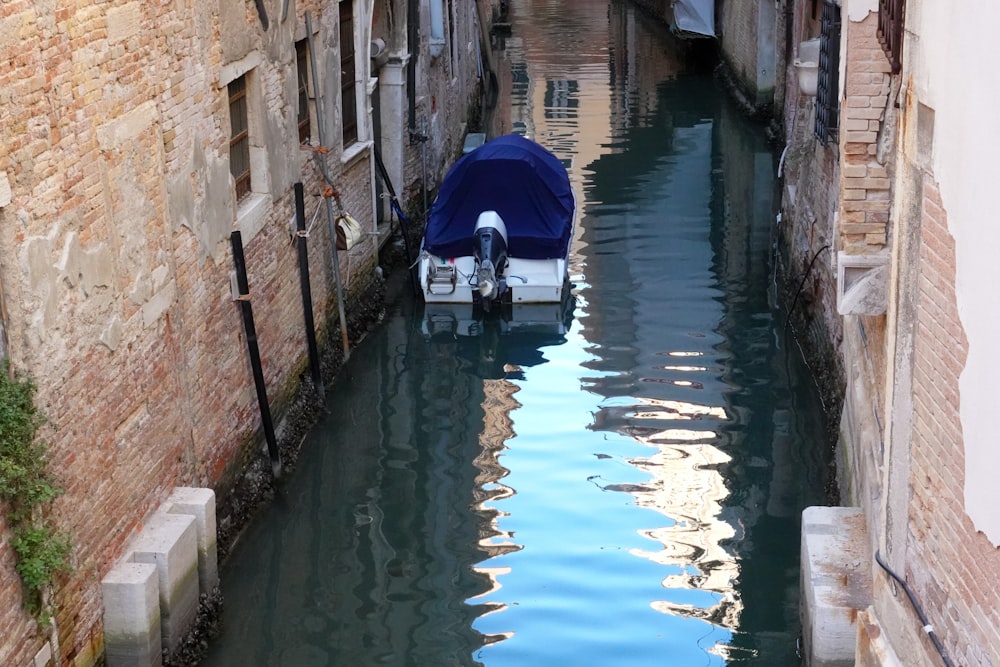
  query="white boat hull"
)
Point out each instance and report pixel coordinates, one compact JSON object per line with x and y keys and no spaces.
{"x":453,"y":280}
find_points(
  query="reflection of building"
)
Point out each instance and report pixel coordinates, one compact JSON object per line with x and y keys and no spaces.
{"x":686,"y":487}
{"x":680,"y":205}
{"x":498,"y":403}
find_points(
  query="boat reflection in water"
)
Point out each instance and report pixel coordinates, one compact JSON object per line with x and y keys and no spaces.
{"x":500,"y":343}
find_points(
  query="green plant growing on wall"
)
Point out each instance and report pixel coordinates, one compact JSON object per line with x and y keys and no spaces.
{"x":26,"y":486}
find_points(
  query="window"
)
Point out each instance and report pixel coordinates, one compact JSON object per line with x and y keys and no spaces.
{"x":302,"y":69}
{"x":239,"y":138}
{"x":348,"y":94}
{"x":890,"y":31}
{"x":827,"y":106}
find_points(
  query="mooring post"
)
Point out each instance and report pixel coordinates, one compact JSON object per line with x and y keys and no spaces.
{"x":243,"y":297}
{"x":321,"y":163}
{"x":307,"y":309}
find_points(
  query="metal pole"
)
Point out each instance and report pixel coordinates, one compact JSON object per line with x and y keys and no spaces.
{"x":423,"y":159}
{"x":243,"y":297}
{"x":300,"y":225}
{"x":404,"y":225}
{"x":320,"y":161}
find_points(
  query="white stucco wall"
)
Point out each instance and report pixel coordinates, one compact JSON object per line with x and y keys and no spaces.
{"x":955,"y":73}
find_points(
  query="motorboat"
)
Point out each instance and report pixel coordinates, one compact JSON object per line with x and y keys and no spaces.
{"x":499,"y":230}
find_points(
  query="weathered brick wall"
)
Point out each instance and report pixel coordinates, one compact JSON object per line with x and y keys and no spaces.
{"x":751,"y":40}
{"x":740,"y":41}
{"x":864,"y":197}
{"x":444,"y":92}
{"x":948,"y":561}
{"x":115,"y":257}
{"x":807,"y":243}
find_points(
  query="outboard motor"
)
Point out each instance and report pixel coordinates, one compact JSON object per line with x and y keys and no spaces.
{"x":489,"y":247}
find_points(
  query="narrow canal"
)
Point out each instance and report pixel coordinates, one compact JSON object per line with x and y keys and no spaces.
{"x":623,"y":487}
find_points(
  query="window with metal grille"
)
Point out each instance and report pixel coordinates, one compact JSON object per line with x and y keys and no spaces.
{"x":239,"y":137}
{"x":827,"y":106}
{"x":890,"y":30}
{"x":348,"y":96}
{"x":302,"y":69}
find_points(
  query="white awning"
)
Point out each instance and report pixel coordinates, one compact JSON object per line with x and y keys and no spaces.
{"x":696,"y":16}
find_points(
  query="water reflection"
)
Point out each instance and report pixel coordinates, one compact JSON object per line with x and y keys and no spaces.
{"x":619,"y":486}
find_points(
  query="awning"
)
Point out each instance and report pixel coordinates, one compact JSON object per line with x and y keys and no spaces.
{"x":695,"y":16}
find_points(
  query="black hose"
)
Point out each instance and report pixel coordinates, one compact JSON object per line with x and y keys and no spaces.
{"x":927,"y":627}
{"x":802,"y":283}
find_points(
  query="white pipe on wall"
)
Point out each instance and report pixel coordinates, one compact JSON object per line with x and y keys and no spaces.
{"x":437,"y":27}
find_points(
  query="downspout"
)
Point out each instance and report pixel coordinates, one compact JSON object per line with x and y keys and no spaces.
{"x":437,"y":27}
{"x":413,"y":44}
{"x":369,"y":86}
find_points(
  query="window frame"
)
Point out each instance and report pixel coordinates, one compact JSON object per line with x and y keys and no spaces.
{"x":303,"y":119}
{"x":239,"y":137}
{"x":826,"y":126}
{"x":891,"y":17}
{"x":348,"y":75}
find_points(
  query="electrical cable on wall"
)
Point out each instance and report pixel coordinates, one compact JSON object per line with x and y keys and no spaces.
{"x":927,"y":627}
{"x":802,"y":283}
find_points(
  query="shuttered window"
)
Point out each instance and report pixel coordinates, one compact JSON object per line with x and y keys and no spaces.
{"x":302,"y":69}
{"x":890,"y":31}
{"x":827,"y":95}
{"x":348,"y":94}
{"x":239,"y":137}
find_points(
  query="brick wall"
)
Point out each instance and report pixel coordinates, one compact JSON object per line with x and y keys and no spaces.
{"x":807,"y":231}
{"x":864,"y":196}
{"x":949,"y":563}
{"x":115,"y":257}
{"x":738,"y":24}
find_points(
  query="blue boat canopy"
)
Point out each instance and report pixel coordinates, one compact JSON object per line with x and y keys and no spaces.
{"x":519,"y":179}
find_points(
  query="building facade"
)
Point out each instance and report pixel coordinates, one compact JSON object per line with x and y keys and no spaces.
{"x":887,"y":215}
{"x":136,"y":138}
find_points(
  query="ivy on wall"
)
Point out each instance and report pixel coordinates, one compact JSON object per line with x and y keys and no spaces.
{"x":26,"y":488}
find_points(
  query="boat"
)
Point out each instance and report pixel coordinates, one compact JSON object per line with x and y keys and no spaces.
{"x":499,"y":230}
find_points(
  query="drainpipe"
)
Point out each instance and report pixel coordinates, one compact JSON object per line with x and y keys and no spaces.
{"x":370,"y":84}
{"x":413,"y":44}
{"x":437,"y":27}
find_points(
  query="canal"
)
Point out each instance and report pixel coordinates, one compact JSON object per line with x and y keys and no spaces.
{"x":618,"y":485}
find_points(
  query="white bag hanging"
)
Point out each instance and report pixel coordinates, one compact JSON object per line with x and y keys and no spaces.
{"x":348,"y":232}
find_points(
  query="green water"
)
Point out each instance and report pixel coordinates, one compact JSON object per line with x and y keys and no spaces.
{"x":624,"y":491}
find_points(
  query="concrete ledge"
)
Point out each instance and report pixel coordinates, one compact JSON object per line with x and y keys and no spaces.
{"x":170,"y":542}
{"x":151,"y":597}
{"x":200,"y":503}
{"x":132,"y":615}
{"x":836,"y":583}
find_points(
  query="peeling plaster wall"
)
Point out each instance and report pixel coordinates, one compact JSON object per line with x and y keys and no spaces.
{"x":957,"y":41}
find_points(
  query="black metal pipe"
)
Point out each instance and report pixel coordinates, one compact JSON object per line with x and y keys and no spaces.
{"x":262,"y":14}
{"x":404,"y":224}
{"x":307,"y":309}
{"x":413,"y":45}
{"x":243,"y":287}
